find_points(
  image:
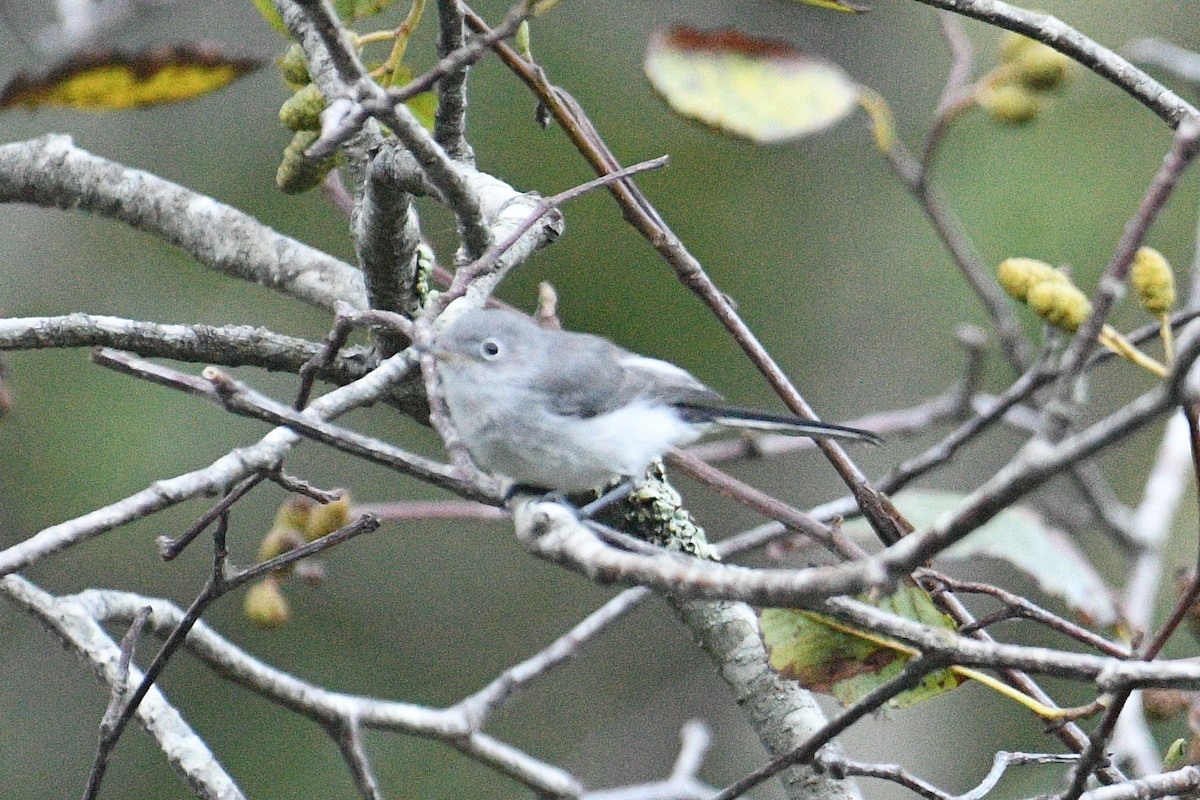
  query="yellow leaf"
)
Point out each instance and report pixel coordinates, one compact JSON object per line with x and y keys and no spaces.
{"x":106,"y":81}
{"x":836,"y":5}
{"x":758,"y":89}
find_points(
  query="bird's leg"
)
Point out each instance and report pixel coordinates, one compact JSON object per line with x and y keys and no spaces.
{"x":588,"y":511}
{"x":609,"y":498}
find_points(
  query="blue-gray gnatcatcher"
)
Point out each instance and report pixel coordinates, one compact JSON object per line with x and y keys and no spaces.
{"x":571,"y":411}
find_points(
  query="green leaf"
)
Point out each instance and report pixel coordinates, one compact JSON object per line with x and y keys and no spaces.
{"x":1022,"y":538}
{"x":758,"y":89}
{"x":423,"y":105}
{"x":267,"y":9}
{"x":1175,"y":754}
{"x":350,"y":10}
{"x":826,"y":656}
{"x":347,"y":11}
{"x":107,"y":81}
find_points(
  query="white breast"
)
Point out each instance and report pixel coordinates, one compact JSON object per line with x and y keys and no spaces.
{"x":532,"y":446}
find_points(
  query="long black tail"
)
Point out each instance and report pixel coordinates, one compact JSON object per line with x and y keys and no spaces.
{"x":776,"y":423}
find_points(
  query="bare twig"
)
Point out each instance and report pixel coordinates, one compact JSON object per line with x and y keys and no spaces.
{"x":912,"y":674}
{"x":1095,"y":753}
{"x":1183,"y":149}
{"x":640,"y":212}
{"x":111,"y":724}
{"x":970,"y":264}
{"x":683,"y":782}
{"x":1062,"y":37}
{"x":386,"y":238}
{"x":80,"y":630}
{"x":955,"y":96}
{"x":240,"y":399}
{"x":316,"y":27}
{"x":890,"y":772}
{"x":349,"y":740}
{"x":169,"y":548}
{"x":478,"y":707}
{"x":226,"y":471}
{"x":1181,"y":782}
{"x":1177,"y":61}
{"x":1020,"y":607}
{"x":323,"y":706}
{"x":793,"y":519}
{"x":219,"y":583}
{"x":430,"y":509}
{"x":482,"y":275}
{"x":450,"y":119}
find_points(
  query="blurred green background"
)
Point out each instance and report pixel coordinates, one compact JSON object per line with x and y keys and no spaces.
{"x":829,"y":260}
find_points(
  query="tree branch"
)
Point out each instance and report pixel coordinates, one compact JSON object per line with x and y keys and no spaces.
{"x":51,"y":171}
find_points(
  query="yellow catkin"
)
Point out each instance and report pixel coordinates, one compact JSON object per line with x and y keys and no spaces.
{"x":327,"y":518}
{"x":1009,"y":103}
{"x":279,"y":541}
{"x":1060,"y":304}
{"x":1016,"y":275}
{"x":302,"y":111}
{"x":293,"y":66}
{"x":265,"y":604}
{"x":1153,"y":281}
{"x":297,"y":172}
{"x":1034,"y":65}
{"x":1012,"y":45}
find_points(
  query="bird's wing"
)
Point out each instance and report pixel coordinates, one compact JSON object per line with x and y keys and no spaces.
{"x":602,"y":378}
{"x":663,"y":382}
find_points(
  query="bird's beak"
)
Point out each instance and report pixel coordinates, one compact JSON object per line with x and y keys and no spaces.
{"x":439,"y":354}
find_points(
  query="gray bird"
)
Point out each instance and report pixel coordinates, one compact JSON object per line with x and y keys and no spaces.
{"x":572,"y":411}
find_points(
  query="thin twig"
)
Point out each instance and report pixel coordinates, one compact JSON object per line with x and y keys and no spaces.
{"x":955,"y":96}
{"x":450,"y":119}
{"x":348,"y":738}
{"x":844,"y":768}
{"x":469,"y":277}
{"x":912,"y":674}
{"x":169,"y":547}
{"x":1095,"y":755}
{"x":640,"y":212}
{"x":479,"y":706}
{"x":1109,"y":287}
{"x":1017,"y":606}
{"x":219,"y":583}
{"x":1067,"y":40}
{"x":791,"y":517}
{"x":110,"y":724}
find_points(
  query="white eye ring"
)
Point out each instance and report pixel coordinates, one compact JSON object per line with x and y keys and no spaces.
{"x":490,"y":349}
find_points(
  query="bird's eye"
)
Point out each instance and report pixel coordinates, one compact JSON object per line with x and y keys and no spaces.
{"x":489,"y":349}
